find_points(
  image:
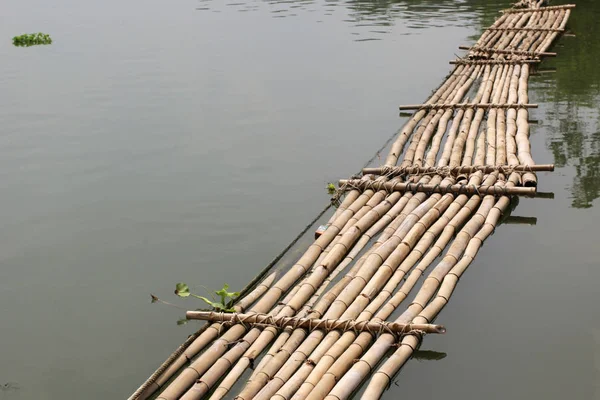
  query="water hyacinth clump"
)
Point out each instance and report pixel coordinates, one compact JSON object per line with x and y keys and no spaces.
{"x":32,"y":39}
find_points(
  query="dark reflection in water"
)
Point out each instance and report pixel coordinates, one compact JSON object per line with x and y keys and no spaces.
{"x":429,"y":355}
{"x":572,"y":94}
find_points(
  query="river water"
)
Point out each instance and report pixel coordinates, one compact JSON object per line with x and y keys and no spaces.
{"x":156,"y":142}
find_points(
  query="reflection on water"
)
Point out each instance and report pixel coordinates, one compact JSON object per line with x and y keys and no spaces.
{"x":572,"y":94}
{"x":370,"y":18}
{"x":428,"y":355}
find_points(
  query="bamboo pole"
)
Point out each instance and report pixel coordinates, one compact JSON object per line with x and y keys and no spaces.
{"x":511,"y":119}
{"x":522,"y":134}
{"x":500,"y":139}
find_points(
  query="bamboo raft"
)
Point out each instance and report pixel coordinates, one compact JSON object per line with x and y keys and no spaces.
{"x":321,"y":329}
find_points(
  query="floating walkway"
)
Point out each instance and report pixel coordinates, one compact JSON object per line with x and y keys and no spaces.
{"x":322,"y":329}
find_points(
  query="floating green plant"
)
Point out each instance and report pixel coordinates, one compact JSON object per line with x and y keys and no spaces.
{"x":32,"y":39}
{"x":331,"y":189}
{"x":225,"y":297}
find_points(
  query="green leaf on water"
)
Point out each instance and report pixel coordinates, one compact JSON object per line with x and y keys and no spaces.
{"x":331,"y":189}
{"x":31,"y":39}
{"x":182,"y":290}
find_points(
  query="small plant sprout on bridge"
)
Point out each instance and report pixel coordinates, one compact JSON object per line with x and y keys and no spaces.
{"x":225,"y":297}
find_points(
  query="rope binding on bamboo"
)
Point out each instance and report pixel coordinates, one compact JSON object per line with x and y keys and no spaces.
{"x":453,"y":171}
{"x":468,"y":61}
{"x":464,"y":106}
{"x":311,"y":324}
{"x":492,"y":50}
{"x":456,"y":189}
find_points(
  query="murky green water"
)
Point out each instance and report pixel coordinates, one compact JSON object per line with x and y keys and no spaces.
{"x":155,"y":142}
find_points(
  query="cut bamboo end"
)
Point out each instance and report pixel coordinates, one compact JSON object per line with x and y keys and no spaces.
{"x":453,"y":171}
{"x":464,"y":61}
{"x":464,"y":106}
{"x":541,"y":9}
{"x":372,"y":327}
{"x":481,"y":190}
{"x":504,"y":51}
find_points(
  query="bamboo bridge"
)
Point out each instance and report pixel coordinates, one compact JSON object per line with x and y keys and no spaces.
{"x":321,"y":330}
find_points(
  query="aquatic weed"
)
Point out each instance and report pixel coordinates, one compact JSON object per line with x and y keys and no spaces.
{"x":32,"y":39}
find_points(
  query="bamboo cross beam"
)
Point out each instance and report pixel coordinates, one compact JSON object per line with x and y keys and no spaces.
{"x":513,"y":52}
{"x":464,"y":106}
{"x":464,"y":61}
{"x":481,"y":190}
{"x":463,"y":169}
{"x":313,"y":324}
{"x":541,"y":9}
{"x":526,"y":29}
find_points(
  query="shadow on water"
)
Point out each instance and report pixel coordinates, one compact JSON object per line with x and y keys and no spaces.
{"x":428,"y":355}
